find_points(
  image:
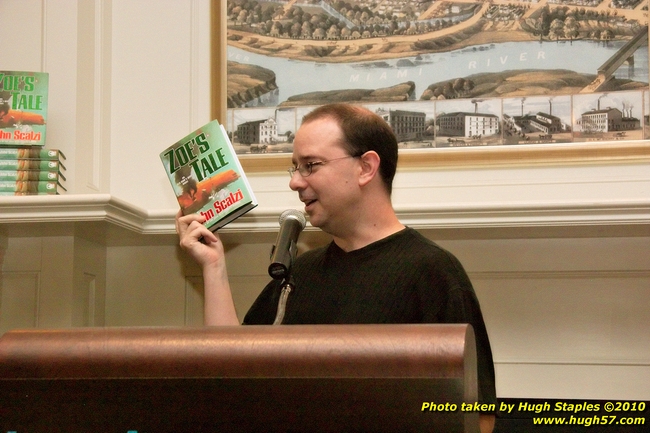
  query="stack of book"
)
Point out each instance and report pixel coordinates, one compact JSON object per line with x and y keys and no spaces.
{"x":31,"y":171}
{"x":26,"y":167}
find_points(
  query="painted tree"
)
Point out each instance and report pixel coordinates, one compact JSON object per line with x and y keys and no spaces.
{"x":571,"y":28}
{"x":557,"y":29}
{"x":606,"y":36}
{"x":333,"y":32}
{"x":543,"y":23}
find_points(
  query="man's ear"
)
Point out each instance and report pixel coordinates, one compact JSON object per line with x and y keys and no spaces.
{"x":369,"y":167}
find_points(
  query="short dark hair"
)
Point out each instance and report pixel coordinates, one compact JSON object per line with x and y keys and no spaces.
{"x":363,"y":131}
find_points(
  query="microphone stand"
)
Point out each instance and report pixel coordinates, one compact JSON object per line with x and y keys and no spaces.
{"x":292,"y":222}
{"x":287,"y":287}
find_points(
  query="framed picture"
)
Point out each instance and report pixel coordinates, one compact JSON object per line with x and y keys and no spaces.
{"x":467,"y":83}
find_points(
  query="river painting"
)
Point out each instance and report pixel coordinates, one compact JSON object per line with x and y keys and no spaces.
{"x":443,"y":74}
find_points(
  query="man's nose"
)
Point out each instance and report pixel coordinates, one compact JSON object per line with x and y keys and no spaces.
{"x":297,"y":181}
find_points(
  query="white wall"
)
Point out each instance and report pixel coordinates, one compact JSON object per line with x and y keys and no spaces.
{"x":160,"y":91}
{"x":557,"y":251}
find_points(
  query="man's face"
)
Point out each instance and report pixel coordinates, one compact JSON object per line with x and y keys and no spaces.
{"x":331,"y":190}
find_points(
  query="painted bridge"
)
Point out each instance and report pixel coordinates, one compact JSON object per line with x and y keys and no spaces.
{"x":625,"y":54}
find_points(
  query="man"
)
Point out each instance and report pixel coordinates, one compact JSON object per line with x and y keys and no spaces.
{"x":375,"y":270}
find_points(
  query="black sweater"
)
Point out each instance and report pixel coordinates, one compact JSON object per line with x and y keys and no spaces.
{"x":404,"y":278}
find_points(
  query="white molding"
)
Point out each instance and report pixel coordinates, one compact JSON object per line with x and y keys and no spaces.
{"x":94,"y":181}
{"x":541,"y":214}
{"x":104,"y":207}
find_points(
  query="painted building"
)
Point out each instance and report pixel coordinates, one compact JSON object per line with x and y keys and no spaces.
{"x":258,"y":132}
{"x":462,"y":124}
{"x":407,"y":125}
{"x":608,"y":119}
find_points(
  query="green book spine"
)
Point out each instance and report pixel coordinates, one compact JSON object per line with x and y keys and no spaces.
{"x":31,"y":153}
{"x":29,"y":187}
{"x":30,"y":164}
{"x":207,"y":177}
{"x":23,"y":175}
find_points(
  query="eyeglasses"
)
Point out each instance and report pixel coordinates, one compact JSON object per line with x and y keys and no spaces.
{"x":306,"y":168}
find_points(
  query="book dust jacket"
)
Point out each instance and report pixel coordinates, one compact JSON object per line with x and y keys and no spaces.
{"x":23,"y":108}
{"x":207,"y":177}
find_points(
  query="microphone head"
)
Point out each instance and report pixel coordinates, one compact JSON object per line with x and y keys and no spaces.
{"x":292,"y":222}
{"x":293,"y":214}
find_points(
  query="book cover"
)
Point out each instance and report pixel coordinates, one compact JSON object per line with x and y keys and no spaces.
{"x":207,"y":177}
{"x":23,"y":108}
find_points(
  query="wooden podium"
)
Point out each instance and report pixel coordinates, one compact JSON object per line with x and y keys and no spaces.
{"x":290,"y":378}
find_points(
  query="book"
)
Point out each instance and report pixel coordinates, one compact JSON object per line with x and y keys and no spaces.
{"x":30,"y":164}
{"x":23,"y":108}
{"x":31,"y":153}
{"x":52,"y":176}
{"x":207,"y":177}
{"x":29,"y":187}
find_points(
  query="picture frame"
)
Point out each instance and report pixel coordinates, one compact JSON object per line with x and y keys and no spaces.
{"x":607,"y":149}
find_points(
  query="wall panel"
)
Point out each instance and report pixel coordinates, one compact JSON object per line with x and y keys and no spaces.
{"x":19,"y":300}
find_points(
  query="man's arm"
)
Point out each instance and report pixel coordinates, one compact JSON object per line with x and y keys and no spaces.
{"x":206,"y":249}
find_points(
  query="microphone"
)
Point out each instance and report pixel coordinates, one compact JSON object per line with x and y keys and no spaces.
{"x":292,"y":222}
